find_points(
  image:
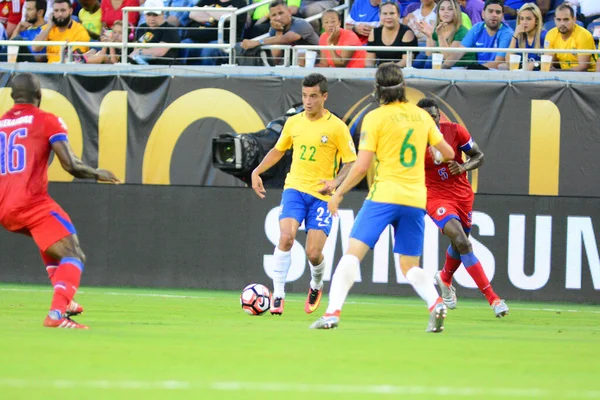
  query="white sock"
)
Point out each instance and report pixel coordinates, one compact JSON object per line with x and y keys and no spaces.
{"x":345,"y":274}
{"x":316,"y":273}
{"x":423,"y":285}
{"x":283,"y":260}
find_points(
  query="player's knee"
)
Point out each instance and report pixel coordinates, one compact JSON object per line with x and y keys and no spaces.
{"x":286,"y":241}
{"x":314,"y":256}
{"x":463,"y":244}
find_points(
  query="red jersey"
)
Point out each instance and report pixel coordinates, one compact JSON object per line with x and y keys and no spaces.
{"x":441,"y":184}
{"x":11,"y":11}
{"x":26,"y":136}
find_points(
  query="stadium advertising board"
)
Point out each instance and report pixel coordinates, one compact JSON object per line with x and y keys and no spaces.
{"x":532,"y":247}
{"x":539,"y":137}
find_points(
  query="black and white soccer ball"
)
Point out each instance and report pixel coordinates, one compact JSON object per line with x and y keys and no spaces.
{"x":255,"y":299}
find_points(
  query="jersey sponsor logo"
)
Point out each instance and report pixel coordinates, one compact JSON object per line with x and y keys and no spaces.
{"x":479,"y":44}
{"x":351,"y":145}
{"x":324,"y":139}
{"x":362,"y":15}
{"x":441,"y":211}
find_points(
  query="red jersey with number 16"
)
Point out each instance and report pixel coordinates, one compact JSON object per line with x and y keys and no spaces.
{"x":26,"y":137}
{"x":441,"y":184}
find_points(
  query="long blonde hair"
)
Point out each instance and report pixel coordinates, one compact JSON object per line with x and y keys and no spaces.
{"x":457,"y":22}
{"x":537,"y":41}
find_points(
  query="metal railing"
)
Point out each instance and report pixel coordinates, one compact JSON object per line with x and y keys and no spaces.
{"x":69,"y":46}
{"x":411,"y":49}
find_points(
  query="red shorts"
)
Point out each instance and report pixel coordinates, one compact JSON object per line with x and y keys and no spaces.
{"x":443,"y":210}
{"x":47,"y":223}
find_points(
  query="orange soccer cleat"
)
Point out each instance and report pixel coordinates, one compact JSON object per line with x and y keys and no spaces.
{"x":313,"y":300}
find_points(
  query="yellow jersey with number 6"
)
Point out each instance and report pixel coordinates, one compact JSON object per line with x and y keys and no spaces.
{"x":398,"y":134}
{"x":317,"y":147}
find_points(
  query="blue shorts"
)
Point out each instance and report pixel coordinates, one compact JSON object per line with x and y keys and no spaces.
{"x":305,"y":207}
{"x":408,"y":223}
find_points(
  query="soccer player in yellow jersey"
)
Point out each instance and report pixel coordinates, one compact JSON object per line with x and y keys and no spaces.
{"x":318,"y":139}
{"x":396,"y":136}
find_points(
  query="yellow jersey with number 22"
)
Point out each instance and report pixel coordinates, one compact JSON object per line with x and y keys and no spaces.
{"x":317,"y":149}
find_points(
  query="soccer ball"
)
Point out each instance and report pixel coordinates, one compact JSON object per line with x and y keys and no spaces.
{"x":255,"y":299}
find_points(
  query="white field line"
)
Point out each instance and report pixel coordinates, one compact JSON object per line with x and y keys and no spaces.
{"x":371,"y":303}
{"x":300,"y":388}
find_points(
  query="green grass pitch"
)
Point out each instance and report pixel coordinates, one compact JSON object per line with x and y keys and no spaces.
{"x":163,"y":344}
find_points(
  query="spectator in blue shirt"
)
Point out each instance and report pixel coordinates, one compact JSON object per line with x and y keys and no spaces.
{"x":512,"y":7}
{"x":29,"y":28}
{"x":363,"y":17}
{"x":492,"y":33}
{"x":178,"y":18}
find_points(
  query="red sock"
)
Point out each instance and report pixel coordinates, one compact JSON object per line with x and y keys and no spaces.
{"x":336,"y":313}
{"x":51,"y":265}
{"x":478,"y":275}
{"x":66,"y":278}
{"x":51,"y":270}
{"x":452,"y":263}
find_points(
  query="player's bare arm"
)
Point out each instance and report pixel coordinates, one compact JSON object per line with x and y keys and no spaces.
{"x":331,"y":185}
{"x":272,"y":158}
{"x":357,"y":172}
{"x":73,"y":165}
{"x":446,"y":151}
{"x":476,"y":159}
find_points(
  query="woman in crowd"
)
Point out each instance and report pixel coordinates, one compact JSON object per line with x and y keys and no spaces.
{"x":390,"y":33}
{"x":529,"y":34}
{"x":335,"y":35}
{"x":447,"y":32}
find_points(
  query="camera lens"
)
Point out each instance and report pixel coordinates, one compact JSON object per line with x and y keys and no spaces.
{"x":227,"y":153}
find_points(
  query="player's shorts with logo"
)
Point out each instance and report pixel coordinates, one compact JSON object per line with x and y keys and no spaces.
{"x":46,"y":222}
{"x":441,"y":211}
{"x":408,"y":223}
{"x":305,"y":208}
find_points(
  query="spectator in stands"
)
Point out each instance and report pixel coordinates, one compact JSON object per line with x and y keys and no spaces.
{"x":203,"y":29}
{"x":568,"y":35}
{"x":10,"y":14}
{"x":473,"y":8}
{"x":449,"y":32}
{"x":90,"y":16}
{"x":258,"y":23}
{"x":106,"y":55}
{"x":155,"y":30}
{"x":390,"y":33}
{"x":363,"y":17}
{"x":491,"y":33}
{"x":308,"y":8}
{"x":589,"y":9}
{"x":175,"y":18}
{"x":112,"y":10}
{"x":285,"y":29}
{"x":335,"y":35}
{"x":61,"y":27}
{"x":29,"y":28}
{"x":404,"y":4}
{"x":512,"y":7}
{"x":529,"y":34}
{"x":427,"y":13}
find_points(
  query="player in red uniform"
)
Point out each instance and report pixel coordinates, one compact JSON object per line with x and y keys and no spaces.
{"x":27,"y":136}
{"x":450,"y":204}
